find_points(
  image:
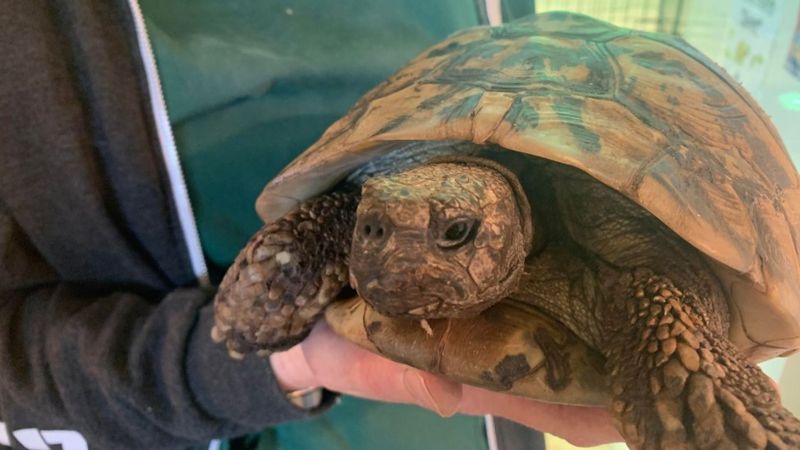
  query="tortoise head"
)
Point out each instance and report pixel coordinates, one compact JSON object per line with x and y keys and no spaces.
{"x":446,"y":239}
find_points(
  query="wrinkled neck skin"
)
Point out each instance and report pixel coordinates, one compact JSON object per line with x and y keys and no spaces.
{"x":611,"y":237}
{"x":595,"y":239}
{"x":444,"y":239}
{"x":588,"y":293}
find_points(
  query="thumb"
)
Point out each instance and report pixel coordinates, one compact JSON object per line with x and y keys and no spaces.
{"x":432,"y":392}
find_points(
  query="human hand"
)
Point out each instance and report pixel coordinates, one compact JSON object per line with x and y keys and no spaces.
{"x":328,"y":360}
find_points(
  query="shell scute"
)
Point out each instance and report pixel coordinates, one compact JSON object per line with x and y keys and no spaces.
{"x":645,"y":114}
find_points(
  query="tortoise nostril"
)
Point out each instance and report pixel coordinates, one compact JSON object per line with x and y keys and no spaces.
{"x":373,"y":230}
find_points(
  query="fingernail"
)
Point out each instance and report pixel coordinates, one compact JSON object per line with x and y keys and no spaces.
{"x":433,"y":392}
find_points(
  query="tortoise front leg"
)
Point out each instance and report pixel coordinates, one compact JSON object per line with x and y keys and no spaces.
{"x":678,"y":384}
{"x":282,"y":280}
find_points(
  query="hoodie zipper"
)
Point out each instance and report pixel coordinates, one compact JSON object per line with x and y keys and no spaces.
{"x":169,"y":150}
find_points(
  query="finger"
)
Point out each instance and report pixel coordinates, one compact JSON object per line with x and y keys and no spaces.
{"x":291,"y":369}
{"x":341,"y":366}
{"x":582,"y":426}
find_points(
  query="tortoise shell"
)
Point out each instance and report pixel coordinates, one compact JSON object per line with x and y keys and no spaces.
{"x":645,"y":114}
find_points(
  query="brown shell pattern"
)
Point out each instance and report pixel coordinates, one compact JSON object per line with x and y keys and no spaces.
{"x":541,"y":358}
{"x":645,"y":114}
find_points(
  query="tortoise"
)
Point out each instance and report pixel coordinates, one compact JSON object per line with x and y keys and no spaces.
{"x":556,"y":207}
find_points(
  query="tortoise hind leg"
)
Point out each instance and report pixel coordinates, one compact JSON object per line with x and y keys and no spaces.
{"x":284,"y":277}
{"x":677,"y":383}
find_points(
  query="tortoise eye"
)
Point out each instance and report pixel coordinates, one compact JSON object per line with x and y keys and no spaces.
{"x":458,"y":233}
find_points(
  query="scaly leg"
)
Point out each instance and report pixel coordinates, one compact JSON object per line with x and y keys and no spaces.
{"x":678,"y":383}
{"x":282,"y":280}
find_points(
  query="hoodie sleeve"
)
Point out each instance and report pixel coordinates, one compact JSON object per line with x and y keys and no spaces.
{"x":104,"y":334}
{"x":118,"y":368}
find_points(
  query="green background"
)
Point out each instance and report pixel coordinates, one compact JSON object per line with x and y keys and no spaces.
{"x":249,"y":85}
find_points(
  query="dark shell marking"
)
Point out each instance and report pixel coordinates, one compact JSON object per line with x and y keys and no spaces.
{"x":510,"y":369}
{"x":661,"y":126}
{"x":643,"y":113}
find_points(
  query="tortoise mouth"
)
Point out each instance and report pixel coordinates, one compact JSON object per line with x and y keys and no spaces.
{"x":403,"y":286}
{"x":393,"y":295}
{"x":421,"y":288}
{"x":427,"y":310}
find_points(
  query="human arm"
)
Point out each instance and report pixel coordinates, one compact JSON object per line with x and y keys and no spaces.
{"x":122,"y":367}
{"x":325,"y":359}
{"x":103,"y":332}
